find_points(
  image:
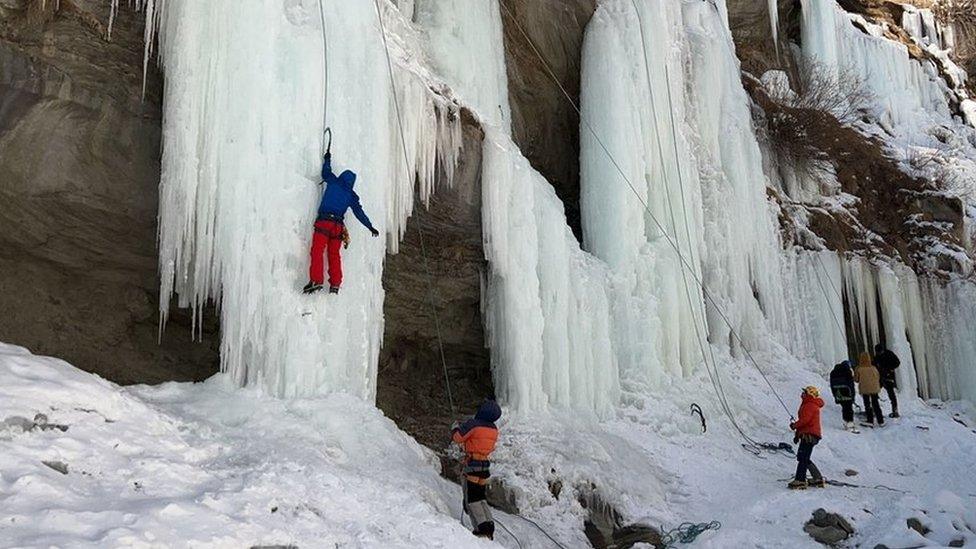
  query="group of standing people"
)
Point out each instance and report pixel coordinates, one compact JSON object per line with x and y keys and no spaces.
{"x":871,"y":376}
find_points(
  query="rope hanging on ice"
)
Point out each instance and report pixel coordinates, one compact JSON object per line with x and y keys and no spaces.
{"x":325,"y":73}
{"x":420,"y":229}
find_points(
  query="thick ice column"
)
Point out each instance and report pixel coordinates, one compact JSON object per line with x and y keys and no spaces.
{"x":741,"y":260}
{"x":950,"y":311}
{"x":859,"y":283}
{"x":897,"y":316}
{"x":818,"y":314}
{"x":242,"y":132}
{"x":547,"y":303}
{"x":626,"y":104}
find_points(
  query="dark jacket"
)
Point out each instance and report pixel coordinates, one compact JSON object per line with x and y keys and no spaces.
{"x":842,"y":383}
{"x":887,"y":362}
{"x":339,"y":196}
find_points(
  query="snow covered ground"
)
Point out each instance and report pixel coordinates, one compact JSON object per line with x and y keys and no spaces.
{"x":210,"y":465}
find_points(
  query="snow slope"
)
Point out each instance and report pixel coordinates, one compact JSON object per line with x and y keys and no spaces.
{"x":653,"y":464}
{"x":209,"y":465}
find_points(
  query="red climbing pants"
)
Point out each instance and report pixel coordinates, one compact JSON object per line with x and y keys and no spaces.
{"x":327,"y":235}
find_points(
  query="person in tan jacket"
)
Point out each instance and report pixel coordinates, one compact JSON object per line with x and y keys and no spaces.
{"x":869,"y":385}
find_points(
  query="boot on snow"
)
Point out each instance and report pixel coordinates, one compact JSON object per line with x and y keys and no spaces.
{"x":894,"y":414}
{"x":850,"y":427}
{"x":818,"y":483}
{"x":311,"y":287}
{"x":333,"y":289}
{"x":797,"y":485}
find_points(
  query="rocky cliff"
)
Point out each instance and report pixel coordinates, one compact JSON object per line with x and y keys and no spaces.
{"x":79,"y":169}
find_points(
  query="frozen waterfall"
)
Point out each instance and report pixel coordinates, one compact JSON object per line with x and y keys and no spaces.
{"x":242,"y":136}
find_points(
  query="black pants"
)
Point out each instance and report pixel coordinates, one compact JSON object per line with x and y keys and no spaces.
{"x":890,"y":388}
{"x":872,"y":407}
{"x":847,"y":410}
{"x":475,"y":493}
{"x":803,"y":462}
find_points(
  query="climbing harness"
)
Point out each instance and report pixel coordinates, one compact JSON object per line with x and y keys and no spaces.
{"x":420,"y":229}
{"x":686,"y":532}
{"x":696,"y":409}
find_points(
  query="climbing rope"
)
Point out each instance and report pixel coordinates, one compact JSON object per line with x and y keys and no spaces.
{"x":686,"y":532}
{"x":842,"y":484}
{"x":325,"y":72}
{"x":541,"y":529}
{"x":423,"y":246}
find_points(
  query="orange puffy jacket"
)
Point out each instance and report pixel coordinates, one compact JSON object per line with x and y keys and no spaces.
{"x":477,"y":437}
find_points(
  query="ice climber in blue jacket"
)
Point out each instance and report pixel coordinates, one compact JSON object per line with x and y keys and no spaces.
{"x":330,"y":229}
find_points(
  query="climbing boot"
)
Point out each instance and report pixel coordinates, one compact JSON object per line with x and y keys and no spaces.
{"x":311,"y":287}
{"x":818,"y":483}
{"x":333,"y":289}
{"x":797,"y":485}
{"x":894,"y":414}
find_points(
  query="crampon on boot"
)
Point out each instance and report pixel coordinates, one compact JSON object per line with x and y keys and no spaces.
{"x":333,"y":289}
{"x":818,"y":483}
{"x":797,"y":485}
{"x":311,"y":287}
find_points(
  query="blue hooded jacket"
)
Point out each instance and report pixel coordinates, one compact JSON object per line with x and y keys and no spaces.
{"x":339,"y":196}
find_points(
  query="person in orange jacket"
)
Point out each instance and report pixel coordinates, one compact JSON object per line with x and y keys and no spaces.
{"x":477,"y":437}
{"x":808,"y":434}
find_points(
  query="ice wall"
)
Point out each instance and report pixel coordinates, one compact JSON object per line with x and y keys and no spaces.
{"x":814,"y":301}
{"x":465,"y":40}
{"x":242,"y":133}
{"x":677,"y":123}
{"x":547,"y":303}
{"x":907,"y":91}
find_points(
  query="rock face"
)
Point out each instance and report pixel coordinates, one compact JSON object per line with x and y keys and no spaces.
{"x":544,"y":123}
{"x":411,"y":388}
{"x":828,"y":528}
{"x":79,"y":169}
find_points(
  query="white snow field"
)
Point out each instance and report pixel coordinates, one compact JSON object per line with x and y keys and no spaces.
{"x":212,"y":465}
